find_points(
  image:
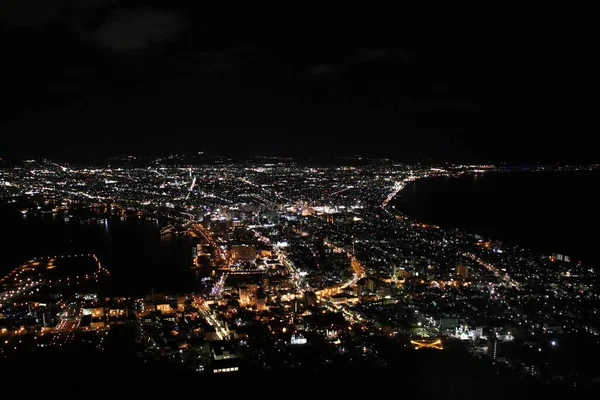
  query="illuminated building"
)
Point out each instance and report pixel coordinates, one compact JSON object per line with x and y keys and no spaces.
{"x":224,"y":358}
{"x":202,"y":249}
{"x":164,"y":308}
{"x":94,"y":312}
{"x":261,"y":303}
{"x":243,"y":253}
{"x":149,"y":307}
{"x":560,"y":257}
{"x":266,"y":253}
{"x":339,"y":298}
{"x":222,"y":351}
{"x":462,"y":271}
{"x":371,"y":285}
{"x":244,"y":293}
{"x":295,"y":305}
{"x":225,"y":369}
{"x":449,"y":322}
{"x":298,"y":339}
{"x":117,"y":312}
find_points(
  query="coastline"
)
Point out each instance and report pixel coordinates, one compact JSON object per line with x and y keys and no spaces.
{"x":138,"y":257}
{"x":454,"y":196}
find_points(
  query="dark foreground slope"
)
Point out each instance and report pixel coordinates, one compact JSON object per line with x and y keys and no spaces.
{"x":420,"y":375}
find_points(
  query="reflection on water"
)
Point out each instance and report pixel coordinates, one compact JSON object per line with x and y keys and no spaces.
{"x":138,"y":257}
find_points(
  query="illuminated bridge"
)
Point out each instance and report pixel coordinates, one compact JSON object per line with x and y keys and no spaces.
{"x":427,"y":344}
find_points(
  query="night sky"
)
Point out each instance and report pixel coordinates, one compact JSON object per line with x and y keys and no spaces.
{"x":84,"y":79}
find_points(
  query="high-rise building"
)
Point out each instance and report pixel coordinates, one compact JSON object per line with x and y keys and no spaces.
{"x":295,"y":305}
{"x":261,"y":303}
{"x":462,"y":271}
{"x":244,"y":293}
{"x":560,"y":257}
{"x":265,"y":283}
{"x":371,"y":285}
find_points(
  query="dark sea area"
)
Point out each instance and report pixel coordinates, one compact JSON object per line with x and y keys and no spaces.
{"x":547,"y":212}
{"x":139,"y":259}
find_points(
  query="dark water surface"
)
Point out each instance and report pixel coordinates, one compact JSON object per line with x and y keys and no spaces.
{"x":543,"y":211}
{"x":138,"y":257}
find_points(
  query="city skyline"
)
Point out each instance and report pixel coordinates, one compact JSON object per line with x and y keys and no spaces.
{"x":199,"y":158}
{"x":267,"y":266}
{"x":296,"y":200}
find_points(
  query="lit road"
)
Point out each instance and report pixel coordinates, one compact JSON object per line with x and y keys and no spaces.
{"x":218,"y":287}
{"x":349,"y":314}
{"x":287,"y":263}
{"x":264,"y":190}
{"x":296,"y":280}
{"x":359,"y":272}
{"x":357,"y":267}
{"x":191,"y":188}
{"x":494,"y":270}
{"x":67,"y":325}
{"x":21,"y":285}
{"x":65,"y":331}
{"x":10,"y":294}
{"x":220,"y":327}
{"x":198,"y":228}
{"x":398,"y":186}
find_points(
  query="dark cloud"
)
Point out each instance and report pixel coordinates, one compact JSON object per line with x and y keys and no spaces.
{"x":35,"y":13}
{"x":113,"y":27}
{"x":130,"y":30}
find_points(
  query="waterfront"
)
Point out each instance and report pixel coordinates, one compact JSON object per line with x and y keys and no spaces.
{"x":139,"y":258}
{"x":277,"y":274}
{"x":544,"y":211}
